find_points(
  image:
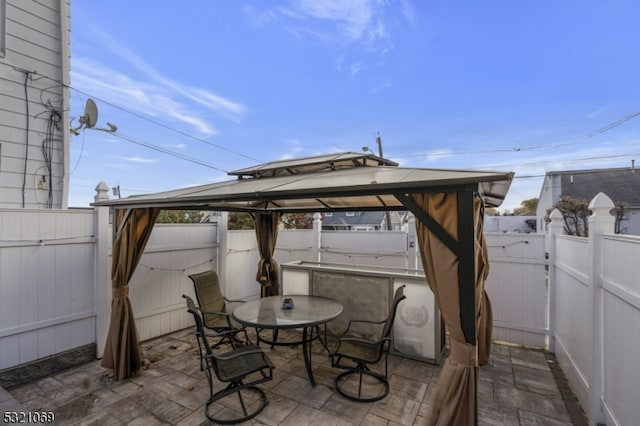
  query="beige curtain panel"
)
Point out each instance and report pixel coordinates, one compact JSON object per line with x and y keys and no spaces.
{"x":122,"y":351}
{"x":454,"y":401}
{"x":267,"y":236}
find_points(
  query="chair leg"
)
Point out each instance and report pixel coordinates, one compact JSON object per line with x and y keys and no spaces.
{"x":361,"y":370}
{"x":246,"y":415}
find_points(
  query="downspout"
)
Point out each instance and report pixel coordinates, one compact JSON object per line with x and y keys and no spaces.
{"x":65,"y":53}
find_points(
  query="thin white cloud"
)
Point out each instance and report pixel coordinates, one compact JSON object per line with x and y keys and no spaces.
{"x":294,"y":148}
{"x":260,"y":18}
{"x":176,"y":145}
{"x":140,"y":160}
{"x":134,"y":95}
{"x":157,"y":95}
{"x":355,"y":25}
{"x":437,"y":155}
{"x":204,"y":97}
{"x":355,"y":19}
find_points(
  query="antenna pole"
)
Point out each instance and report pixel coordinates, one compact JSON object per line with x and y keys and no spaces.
{"x":379,"y":142}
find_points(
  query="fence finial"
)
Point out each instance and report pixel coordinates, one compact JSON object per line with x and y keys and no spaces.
{"x":601,"y":206}
{"x":102,"y":192}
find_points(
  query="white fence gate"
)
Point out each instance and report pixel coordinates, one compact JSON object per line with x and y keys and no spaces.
{"x":46,"y":283}
{"x":517,"y":288}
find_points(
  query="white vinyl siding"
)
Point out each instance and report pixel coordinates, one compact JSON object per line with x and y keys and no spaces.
{"x":34,"y":52}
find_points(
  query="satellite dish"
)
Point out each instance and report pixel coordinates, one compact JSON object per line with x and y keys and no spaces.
{"x":90,"y":117}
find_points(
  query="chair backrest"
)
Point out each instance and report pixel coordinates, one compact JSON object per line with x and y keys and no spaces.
{"x":397,"y":298}
{"x":209,"y":296}
{"x":197,"y":317}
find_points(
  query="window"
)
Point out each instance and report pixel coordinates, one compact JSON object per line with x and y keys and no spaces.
{"x":328,"y":214}
{"x":351,"y":213}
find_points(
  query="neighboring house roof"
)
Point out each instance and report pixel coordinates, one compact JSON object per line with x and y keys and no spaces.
{"x":360,"y":218}
{"x":620,"y":184}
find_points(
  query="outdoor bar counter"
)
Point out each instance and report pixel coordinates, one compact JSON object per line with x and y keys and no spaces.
{"x":366,"y":292}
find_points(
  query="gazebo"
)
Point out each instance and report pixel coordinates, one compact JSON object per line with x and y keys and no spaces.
{"x":448,"y":206}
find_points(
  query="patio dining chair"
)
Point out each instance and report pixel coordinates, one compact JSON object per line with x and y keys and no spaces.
{"x":355,"y":354}
{"x":213,"y":306}
{"x":242,"y":369}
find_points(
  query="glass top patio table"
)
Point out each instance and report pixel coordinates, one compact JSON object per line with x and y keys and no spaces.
{"x":308,"y":313}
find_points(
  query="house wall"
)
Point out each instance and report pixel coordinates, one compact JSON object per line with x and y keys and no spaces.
{"x":550,"y":194}
{"x":507,"y":224}
{"x":36,"y":60}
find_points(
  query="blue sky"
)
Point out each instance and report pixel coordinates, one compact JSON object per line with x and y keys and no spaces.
{"x":198,"y":88}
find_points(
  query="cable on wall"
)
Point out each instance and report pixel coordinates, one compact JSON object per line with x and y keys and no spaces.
{"x":26,"y":154}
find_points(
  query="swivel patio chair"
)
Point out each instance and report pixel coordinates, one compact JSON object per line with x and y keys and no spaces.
{"x":355,"y":354}
{"x":213,"y":306}
{"x":242,"y":369}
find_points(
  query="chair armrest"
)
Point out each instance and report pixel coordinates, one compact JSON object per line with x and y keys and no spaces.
{"x":242,"y":352}
{"x":358,"y":340}
{"x":233,"y":300}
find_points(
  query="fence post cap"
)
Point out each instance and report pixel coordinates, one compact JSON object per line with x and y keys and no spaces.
{"x":555,"y":216}
{"x":102,"y":191}
{"x":601,"y":202}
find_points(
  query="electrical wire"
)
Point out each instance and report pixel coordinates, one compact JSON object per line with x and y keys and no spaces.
{"x":197,"y":161}
{"x":157,"y":123}
{"x":167,"y":151}
{"x":26,"y":154}
{"x":530,"y":148}
{"x":81,"y":146}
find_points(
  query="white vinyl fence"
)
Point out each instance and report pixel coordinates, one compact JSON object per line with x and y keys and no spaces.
{"x":55,"y":288}
{"x":517,"y":288}
{"x":46,"y":283}
{"x":172,"y":254}
{"x":595,"y":315}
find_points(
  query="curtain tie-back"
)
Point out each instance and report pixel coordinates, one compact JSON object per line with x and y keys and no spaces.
{"x":464,"y":354}
{"x":265,"y":270}
{"x":119,"y":292}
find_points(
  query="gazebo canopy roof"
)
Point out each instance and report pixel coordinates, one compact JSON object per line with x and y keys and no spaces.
{"x":343,"y":181}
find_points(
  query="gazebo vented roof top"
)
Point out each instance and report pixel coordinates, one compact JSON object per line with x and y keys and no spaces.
{"x":344,"y":181}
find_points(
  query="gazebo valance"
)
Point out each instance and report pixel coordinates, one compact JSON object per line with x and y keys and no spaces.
{"x":448,"y":206}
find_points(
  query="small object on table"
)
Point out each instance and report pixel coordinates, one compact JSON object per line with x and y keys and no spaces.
{"x":287,"y":303}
